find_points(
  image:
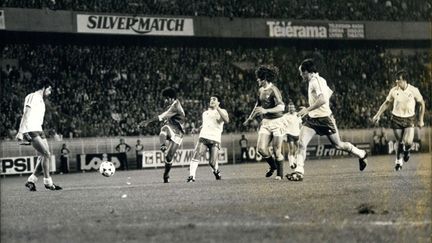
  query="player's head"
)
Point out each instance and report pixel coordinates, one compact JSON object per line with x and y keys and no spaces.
{"x":291,"y":107}
{"x":215,"y":101}
{"x":46,"y":85}
{"x":169,"y":94}
{"x":266,"y":74}
{"x":307,"y":68}
{"x":402,"y":78}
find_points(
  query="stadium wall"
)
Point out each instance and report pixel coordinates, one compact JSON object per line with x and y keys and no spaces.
{"x":100,"y":145}
{"x":45,"y":20}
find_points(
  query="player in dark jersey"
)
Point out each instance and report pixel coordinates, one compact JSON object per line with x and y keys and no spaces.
{"x":171,"y":133}
{"x":270,"y":107}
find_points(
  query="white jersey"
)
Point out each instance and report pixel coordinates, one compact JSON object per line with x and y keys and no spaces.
{"x":212,"y":126}
{"x":317,"y":86}
{"x":404,"y":101}
{"x":35,"y":106}
{"x":292,"y":124}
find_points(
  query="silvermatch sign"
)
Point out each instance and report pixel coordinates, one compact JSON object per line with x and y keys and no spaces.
{"x":134,"y":25}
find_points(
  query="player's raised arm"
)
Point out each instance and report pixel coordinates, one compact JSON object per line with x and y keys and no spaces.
{"x":381,"y":110}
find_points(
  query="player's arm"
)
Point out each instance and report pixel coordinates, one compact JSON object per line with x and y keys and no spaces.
{"x":420,"y":100}
{"x":165,"y":115}
{"x":321,"y":98}
{"x":224,"y":114}
{"x":128,"y":148}
{"x":117,"y":148}
{"x":251,"y":115}
{"x":383,"y":107}
{"x":26,"y":112}
{"x":279,"y":107}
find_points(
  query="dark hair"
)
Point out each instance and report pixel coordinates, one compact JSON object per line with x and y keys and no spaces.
{"x":44,"y":83}
{"x":402,"y":73}
{"x":218,"y":97}
{"x":169,"y":93}
{"x":308,"y":65}
{"x":268,"y":73}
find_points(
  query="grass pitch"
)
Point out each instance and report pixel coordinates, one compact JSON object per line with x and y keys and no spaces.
{"x":334,"y":203}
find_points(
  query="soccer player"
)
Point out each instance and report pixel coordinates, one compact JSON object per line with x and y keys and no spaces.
{"x":292,"y":130}
{"x":171,"y":133}
{"x":31,"y":130}
{"x":404,"y":97}
{"x":270,"y":106}
{"x":318,"y":119}
{"x":213,"y":120}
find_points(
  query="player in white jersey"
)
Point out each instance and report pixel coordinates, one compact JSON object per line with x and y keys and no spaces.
{"x":292,"y":130}
{"x":318,"y":119}
{"x":31,"y":130}
{"x":404,"y":98}
{"x":213,"y":120}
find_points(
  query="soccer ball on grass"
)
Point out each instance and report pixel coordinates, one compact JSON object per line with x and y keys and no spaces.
{"x":107,"y":168}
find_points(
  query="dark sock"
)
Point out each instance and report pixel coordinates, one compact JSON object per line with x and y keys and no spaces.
{"x":279,"y":164}
{"x":167,"y":169}
{"x":271,"y":162}
{"x":399,"y":150}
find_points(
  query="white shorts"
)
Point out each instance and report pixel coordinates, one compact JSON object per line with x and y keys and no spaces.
{"x":176,"y":137}
{"x":275,"y":127}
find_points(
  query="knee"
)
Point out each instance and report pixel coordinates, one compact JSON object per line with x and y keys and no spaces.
{"x":46,"y":154}
{"x":301,"y":146}
{"x":278,"y":154}
{"x":263,"y":152}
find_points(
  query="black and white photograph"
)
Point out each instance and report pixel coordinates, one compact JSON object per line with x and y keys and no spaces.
{"x":215,"y":121}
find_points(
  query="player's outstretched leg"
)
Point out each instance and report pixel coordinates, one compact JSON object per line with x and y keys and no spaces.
{"x":348,"y":147}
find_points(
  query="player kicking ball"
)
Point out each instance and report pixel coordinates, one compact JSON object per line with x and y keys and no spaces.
{"x":404,"y":97}
{"x":31,"y":130}
{"x":171,"y":133}
{"x":213,"y":120}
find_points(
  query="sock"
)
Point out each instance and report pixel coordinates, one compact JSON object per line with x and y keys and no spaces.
{"x":193,"y":167}
{"x":271,"y":162}
{"x":48,"y":181}
{"x":167,"y":169}
{"x":216,"y":167}
{"x":32,"y":178}
{"x":279,"y":164}
{"x":356,"y":151}
{"x":291,"y":159}
{"x":407,"y":148}
{"x":399,"y":151}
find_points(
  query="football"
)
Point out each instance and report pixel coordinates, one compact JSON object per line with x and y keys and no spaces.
{"x":107,"y":168}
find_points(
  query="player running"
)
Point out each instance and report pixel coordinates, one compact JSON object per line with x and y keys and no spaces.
{"x":171,"y":133}
{"x":31,"y":130}
{"x":292,"y":130}
{"x":213,"y":121}
{"x":318,"y":119}
{"x":270,"y":107}
{"x":404,"y":97}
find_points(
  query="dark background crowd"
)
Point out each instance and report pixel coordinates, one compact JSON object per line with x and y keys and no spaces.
{"x":399,"y":10}
{"x":106,"y":90}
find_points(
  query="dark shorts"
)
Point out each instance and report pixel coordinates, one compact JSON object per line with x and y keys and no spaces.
{"x":28,"y":136}
{"x":291,"y":138}
{"x":209,"y":143}
{"x":402,"y":122}
{"x":322,"y":125}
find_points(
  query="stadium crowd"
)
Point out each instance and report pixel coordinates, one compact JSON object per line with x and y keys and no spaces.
{"x":107,"y":90}
{"x":391,"y":10}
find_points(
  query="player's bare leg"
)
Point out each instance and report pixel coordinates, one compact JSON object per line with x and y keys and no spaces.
{"x":263,"y":149}
{"x":213,"y":162}
{"x":43,"y":164}
{"x":198,"y":155}
{"x":169,"y":155}
{"x":408,"y":137}
{"x":306,"y":134}
{"x":399,"y":134}
{"x":277,"y":149}
{"x":350,"y":148}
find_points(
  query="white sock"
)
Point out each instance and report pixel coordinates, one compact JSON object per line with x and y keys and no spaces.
{"x":216,"y":166}
{"x":193,"y":167}
{"x":358,"y":152}
{"x":32,"y":178}
{"x":48,"y":181}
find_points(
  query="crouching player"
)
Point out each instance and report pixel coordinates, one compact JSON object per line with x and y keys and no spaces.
{"x":213,"y":120}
